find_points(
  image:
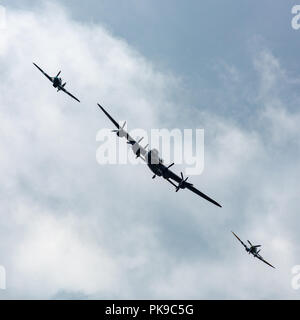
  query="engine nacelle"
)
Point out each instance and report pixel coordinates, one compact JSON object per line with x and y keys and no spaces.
{"x":183,"y":183}
{"x":121,"y":133}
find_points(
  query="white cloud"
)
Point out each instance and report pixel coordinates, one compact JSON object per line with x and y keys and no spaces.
{"x":57,"y":252}
{"x":72,"y":226}
{"x":58,"y":195}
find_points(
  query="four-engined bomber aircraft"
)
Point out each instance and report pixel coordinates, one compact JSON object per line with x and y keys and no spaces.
{"x":57,"y":82}
{"x":253,"y":250}
{"x":155,"y":163}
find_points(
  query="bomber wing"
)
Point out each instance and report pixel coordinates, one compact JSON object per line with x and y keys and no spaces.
{"x":136,"y":147}
{"x":189,"y":186}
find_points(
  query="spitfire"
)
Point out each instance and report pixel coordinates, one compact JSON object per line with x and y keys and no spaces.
{"x":57,"y":82}
{"x":253,"y":249}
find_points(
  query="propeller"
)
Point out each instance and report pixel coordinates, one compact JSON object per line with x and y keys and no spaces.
{"x":138,"y":153}
{"x":171,"y":165}
{"x":181,"y":183}
{"x":58,"y":74}
{"x":134,"y":142}
{"x":64,"y":84}
{"x":250,"y":243}
{"x":120,"y":130}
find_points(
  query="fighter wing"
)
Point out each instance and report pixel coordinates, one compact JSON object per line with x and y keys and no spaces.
{"x":67,"y":92}
{"x":136,"y":147}
{"x":263,"y":260}
{"x":44,"y":73}
{"x":189,"y":186}
{"x":240,"y":240}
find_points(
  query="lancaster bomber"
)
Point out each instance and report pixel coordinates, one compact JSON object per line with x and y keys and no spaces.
{"x":253,"y":250}
{"x":155,"y":163}
{"x":57,"y":82}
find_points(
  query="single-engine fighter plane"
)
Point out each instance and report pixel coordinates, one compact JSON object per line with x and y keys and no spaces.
{"x":155,"y":163}
{"x":253,"y":250}
{"x":57,"y":82}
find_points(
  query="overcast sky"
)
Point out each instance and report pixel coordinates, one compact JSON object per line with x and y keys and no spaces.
{"x":71,"y":228}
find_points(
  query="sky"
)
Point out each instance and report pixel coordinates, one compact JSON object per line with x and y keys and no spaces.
{"x":71,"y":228}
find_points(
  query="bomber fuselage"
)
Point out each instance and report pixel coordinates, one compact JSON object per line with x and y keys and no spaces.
{"x":156,"y":164}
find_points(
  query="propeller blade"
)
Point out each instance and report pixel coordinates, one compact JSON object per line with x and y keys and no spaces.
{"x":182,"y":183}
{"x":171,"y":165}
{"x":249,"y":243}
{"x":58,"y":74}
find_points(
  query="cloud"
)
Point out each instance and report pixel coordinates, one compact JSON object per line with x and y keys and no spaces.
{"x":57,"y":197}
{"x":60,"y":247}
{"x":72,"y":228}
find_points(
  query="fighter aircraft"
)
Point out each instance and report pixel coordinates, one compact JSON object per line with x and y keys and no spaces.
{"x":155,"y":163}
{"x":57,"y":82}
{"x":253,"y":250}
